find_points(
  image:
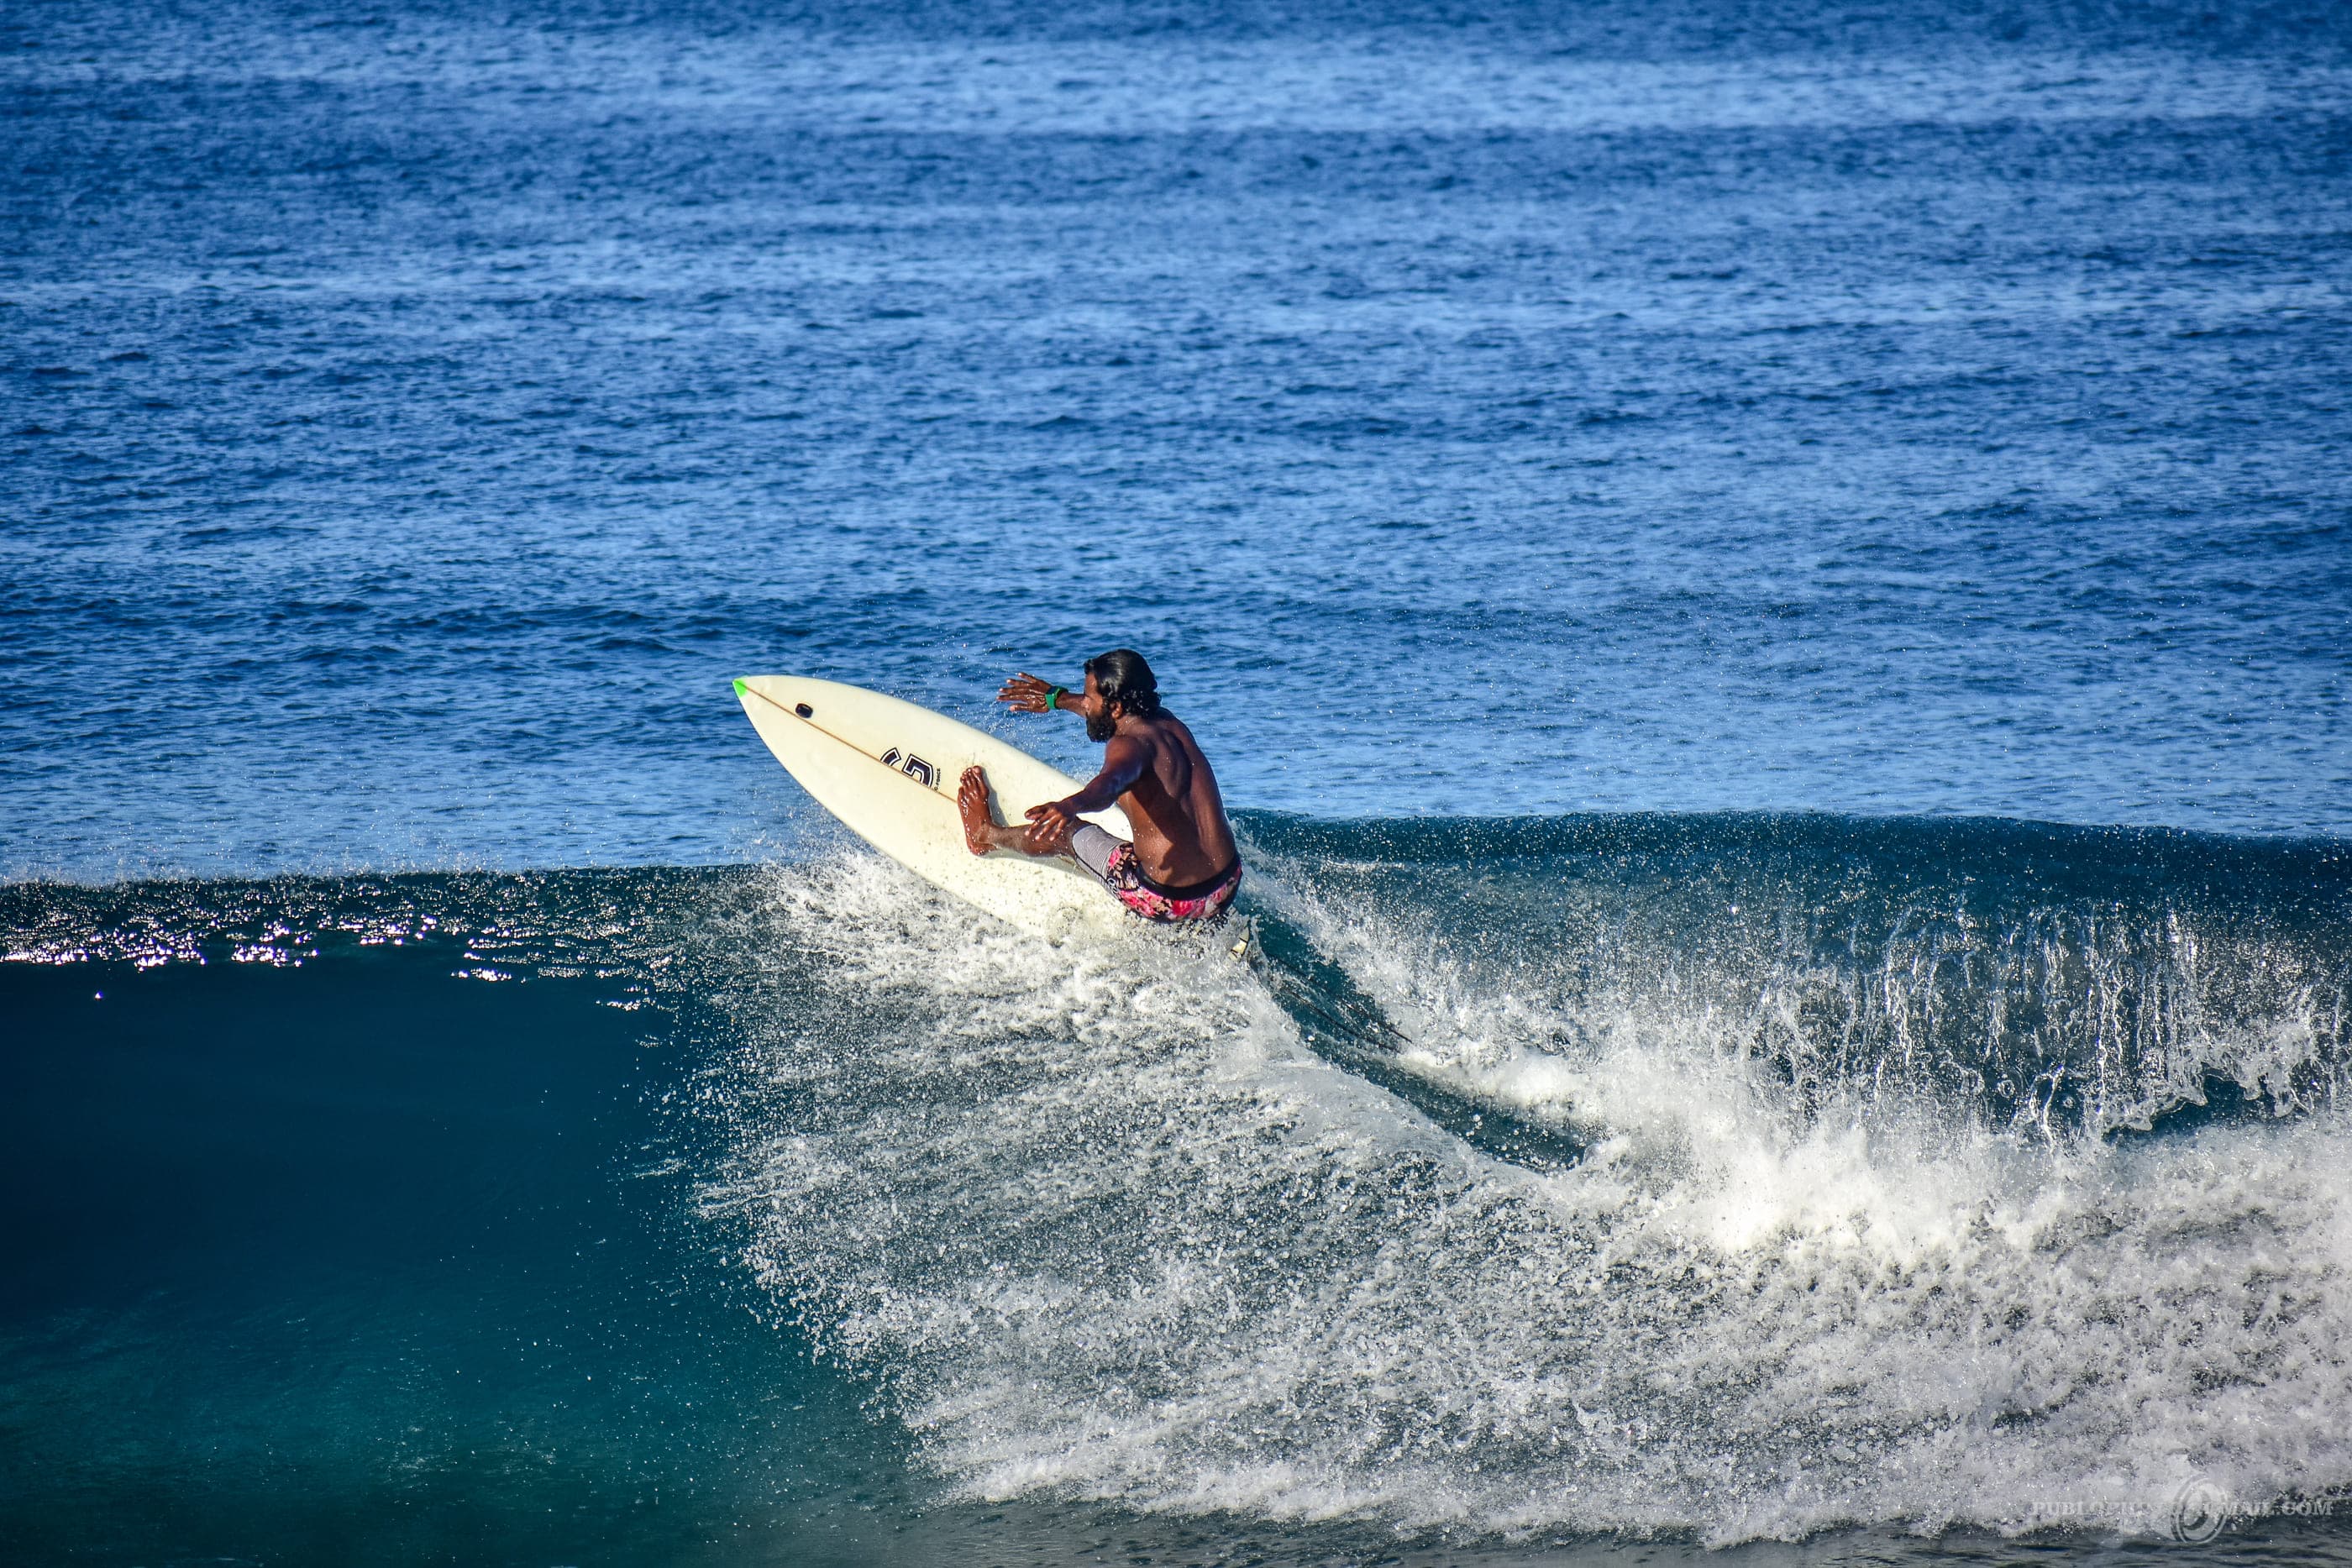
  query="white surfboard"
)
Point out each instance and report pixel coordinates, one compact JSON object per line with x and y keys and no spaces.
{"x":890,"y":771}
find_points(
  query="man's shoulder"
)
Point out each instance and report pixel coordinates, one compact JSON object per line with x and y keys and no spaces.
{"x":1167,"y":729}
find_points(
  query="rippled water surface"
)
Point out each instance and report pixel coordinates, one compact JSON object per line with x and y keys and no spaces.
{"x":412,"y":421}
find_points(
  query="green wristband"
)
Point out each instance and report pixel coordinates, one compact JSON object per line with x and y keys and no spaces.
{"x":1053,"y":698}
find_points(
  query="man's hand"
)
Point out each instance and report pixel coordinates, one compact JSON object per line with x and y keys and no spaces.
{"x":1026,"y":693}
{"x":1050,"y":827}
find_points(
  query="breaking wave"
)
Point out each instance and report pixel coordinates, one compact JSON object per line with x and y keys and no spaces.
{"x":1886,"y":1173}
{"x":1718,"y":1178}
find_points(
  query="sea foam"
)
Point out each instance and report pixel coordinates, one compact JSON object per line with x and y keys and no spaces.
{"x":1102,"y":1224}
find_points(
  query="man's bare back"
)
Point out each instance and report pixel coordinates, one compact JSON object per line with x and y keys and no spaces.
{"x":1152,"y":768}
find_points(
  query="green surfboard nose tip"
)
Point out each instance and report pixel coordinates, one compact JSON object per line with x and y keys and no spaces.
{"x":739,"y":688}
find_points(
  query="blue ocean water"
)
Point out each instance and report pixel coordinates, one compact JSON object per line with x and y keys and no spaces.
{"x":414,"y":419}
{"x":1770,"y":586}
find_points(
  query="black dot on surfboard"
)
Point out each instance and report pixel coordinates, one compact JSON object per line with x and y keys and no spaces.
{"x":804,"y":710}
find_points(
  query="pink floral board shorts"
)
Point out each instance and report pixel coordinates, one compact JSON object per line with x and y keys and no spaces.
{"x":1114,"y":862}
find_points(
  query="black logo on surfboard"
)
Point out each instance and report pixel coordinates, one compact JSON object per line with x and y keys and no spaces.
{"x":912,"y":767}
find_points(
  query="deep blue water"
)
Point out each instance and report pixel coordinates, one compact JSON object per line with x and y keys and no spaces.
{"x":412,"y":421}
{"x":1770,"y":584}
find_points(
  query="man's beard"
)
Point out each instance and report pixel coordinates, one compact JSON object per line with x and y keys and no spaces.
{"x":1101,"y":727}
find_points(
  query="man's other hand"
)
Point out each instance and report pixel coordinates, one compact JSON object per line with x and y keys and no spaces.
{"x":1050,"y":827}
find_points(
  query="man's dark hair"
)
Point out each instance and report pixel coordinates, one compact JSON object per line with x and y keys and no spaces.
{"x":1123,"y":677}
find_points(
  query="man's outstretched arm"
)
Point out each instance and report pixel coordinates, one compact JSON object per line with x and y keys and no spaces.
{"x":1027,"y":694}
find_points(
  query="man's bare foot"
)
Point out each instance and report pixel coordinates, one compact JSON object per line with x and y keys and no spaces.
{"x":972,"y":803}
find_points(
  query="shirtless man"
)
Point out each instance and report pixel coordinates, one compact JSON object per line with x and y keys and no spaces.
{"x":1183,"y":864}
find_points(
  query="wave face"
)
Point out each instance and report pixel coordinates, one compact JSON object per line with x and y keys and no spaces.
{"x":1716,"y":1178}
{"x":1924,"y":1173}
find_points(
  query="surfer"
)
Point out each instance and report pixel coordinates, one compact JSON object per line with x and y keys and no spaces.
{"x":1183,"y":865}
